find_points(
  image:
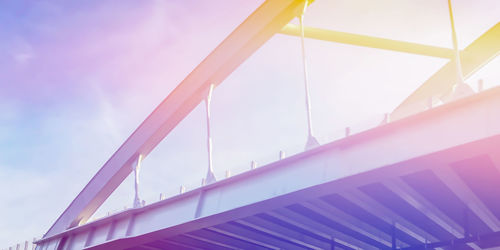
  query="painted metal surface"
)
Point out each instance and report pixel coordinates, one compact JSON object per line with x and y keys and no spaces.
{"x":474,"y":57}
{"x":269,"y":18}
{"x":210,"y":178}
{"x":368,"y":41}
{"x":237,"y":210}
{"x":311,"y":140}
{"x":429,"y":178}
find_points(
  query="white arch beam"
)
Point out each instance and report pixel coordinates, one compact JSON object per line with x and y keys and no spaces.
{"x":261,"y":25}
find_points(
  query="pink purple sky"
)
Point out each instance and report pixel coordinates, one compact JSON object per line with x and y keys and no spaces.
{"x":77,"y":78}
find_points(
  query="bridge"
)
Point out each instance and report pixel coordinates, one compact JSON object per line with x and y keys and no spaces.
{"x":426,"y":177}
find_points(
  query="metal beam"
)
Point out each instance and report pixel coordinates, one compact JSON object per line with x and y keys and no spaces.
{"x":401,"y":224}
{"x":459,"y":243}
{"x":211,"y":241}
{"x":328,"y":211}
{"x":304,"y":231}
{"x":167,"y":244}
{"x":243,"y":238}
{"x":474,"y":57}
{"x":261,"y":25}
{"x":257,"y":235}
{"x":228,"y":240}
{"x":420,"y":203}
{"x":292,"y":231}
{"x":339,"y":167}
{"x":368,"y":41}
{"x":463,"y":192}
{"x":349,"y":209}
{"x":306,"y":223}
{"x":162,"y":244}
{"x":281,"y":232}
{"x":322,"y":219}
{"x":196,"y":243}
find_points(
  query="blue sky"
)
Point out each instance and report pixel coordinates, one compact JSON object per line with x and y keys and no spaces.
{"x":77,"y":78}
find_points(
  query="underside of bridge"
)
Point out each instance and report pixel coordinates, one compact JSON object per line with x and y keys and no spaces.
{"x":450,"y":206}
{"x":424,"y":209}
{"x":427,"y":181}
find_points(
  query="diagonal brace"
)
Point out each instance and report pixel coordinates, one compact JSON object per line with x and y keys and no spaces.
{"x":368,"y":41}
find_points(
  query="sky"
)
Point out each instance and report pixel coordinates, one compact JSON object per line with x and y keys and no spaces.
{"x":77,"y":78}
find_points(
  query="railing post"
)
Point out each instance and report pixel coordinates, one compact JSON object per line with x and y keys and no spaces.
{"x":387,"y":118}
{"x":253,"y":165}
{"x":282,"y":154}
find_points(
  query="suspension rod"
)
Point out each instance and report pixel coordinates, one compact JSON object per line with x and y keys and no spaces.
{"x":259,"y":27}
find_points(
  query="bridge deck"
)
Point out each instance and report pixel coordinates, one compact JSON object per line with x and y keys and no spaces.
{"x":430,"y":178}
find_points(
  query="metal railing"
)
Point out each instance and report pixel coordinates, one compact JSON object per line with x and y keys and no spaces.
{"x":26,"y":245}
